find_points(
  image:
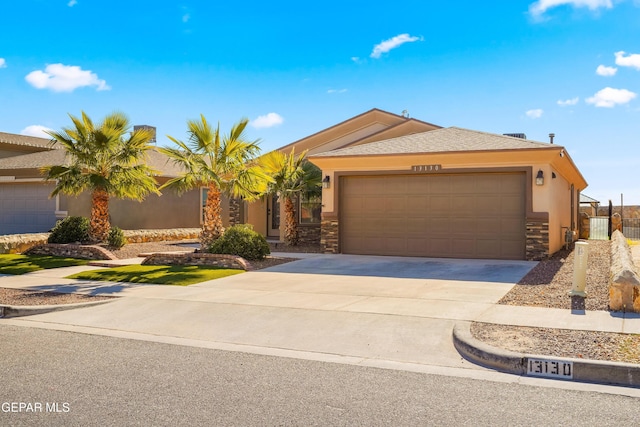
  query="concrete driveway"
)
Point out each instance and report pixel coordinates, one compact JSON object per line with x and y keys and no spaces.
{"x":354,"y":309}
{"x":410,"y":268}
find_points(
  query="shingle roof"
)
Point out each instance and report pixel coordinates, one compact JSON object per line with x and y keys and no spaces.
{"x":30,"y":141}
{"x":452,"y":139}
{"x":155,"y":160}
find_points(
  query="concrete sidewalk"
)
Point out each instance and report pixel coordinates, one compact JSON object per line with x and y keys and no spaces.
{"x":390,"y":319}
{"x":375,"y":319}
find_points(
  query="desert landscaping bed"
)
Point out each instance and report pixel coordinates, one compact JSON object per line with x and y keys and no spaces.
{"x":547,"y":285}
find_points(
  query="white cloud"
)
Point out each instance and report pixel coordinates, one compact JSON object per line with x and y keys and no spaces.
{"x":36,"y":130}
{"x":267,"y":121}
{"x":3,"y":63}
{"x":567,"y":102}
{"x":541,"y":6}
{"x":336,"y":90}
{"x":64,"y":78}
{"x":534,"y":114}
{"x":186,"y":17}
{"x":609,"y":97}
{"x":72,"y":3}
{"x":632,"y":60}
{"x":392,"y":43}
{"x":606,"y":71}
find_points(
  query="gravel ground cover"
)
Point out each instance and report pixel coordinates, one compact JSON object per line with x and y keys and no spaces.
{"x":547,"y":285}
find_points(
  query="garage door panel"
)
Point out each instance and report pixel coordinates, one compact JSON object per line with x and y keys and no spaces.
{"x":463,"y":247}
{"x":464,"y":215}
{"x":511,"y":225}
{"x":510,"y":186}
{"x":440,"y":185}
{"x":509,"y":205}
{"x":463,"y":204}
{"x":439,"y":204}
{"x":491,"y":247}
{"x":438,"y":225}
{"x":396,"y":204}
{"x":26,"y":208}
{"x":440,"y":245}
{"x":463,"y":225}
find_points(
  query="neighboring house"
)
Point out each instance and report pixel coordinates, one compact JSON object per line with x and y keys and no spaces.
{"x":25,"y":205}
{"x":449,"y":193}
{"x":24,"y":198}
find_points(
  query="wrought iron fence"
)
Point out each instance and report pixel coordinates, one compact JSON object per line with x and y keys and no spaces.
{"x":631,"y":228}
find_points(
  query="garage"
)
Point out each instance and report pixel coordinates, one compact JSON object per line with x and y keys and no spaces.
{"x":26,"y":208}
{"x":468,"y":215}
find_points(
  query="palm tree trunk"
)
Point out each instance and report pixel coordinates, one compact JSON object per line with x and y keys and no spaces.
{"x":291,"y":224}
{"x":99,"y":225}
{"x":212,"y":227}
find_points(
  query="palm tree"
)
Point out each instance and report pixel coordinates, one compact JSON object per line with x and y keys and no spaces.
{"x":225,"y":164}
{"x":106,"y":159}
{"x":292,"y":175}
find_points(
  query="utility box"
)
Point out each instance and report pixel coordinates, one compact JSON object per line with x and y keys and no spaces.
{"x":581,"y":255}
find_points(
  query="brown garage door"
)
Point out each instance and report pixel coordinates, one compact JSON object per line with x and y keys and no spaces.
{"x":453,"y":216}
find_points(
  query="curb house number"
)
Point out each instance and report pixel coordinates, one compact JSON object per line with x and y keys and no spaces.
{"x":550,"y":368}
{"x":426,"y":168}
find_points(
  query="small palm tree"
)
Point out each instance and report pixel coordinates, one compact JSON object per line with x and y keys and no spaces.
{"x":225,"y":164}
{"x":292,"y":175}
{"x":106,"y":159}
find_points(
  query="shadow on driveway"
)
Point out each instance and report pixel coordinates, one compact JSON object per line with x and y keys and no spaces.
{"x":410,"y":268}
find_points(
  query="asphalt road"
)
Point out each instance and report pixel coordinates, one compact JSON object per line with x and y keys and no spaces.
{"x":78,"y":379}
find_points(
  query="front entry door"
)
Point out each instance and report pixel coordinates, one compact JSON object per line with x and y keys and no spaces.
{"x":273,"y":216}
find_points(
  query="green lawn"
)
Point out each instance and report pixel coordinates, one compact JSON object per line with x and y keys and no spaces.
{"x":20,"y":264}
{"x":178,"y":275}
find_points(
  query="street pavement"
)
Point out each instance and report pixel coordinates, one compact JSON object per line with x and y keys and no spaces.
{"x":90,"y":380}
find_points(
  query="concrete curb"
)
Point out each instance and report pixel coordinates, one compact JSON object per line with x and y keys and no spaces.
{"x":590,"y":371}
{"x":7,"y":311}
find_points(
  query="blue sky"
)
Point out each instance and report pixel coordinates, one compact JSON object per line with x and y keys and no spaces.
{"x":571,"y":67}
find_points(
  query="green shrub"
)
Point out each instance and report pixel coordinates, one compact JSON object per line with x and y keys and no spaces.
{"x":70,"y":230}
{"x":116,"y":238}
{"x":241,"y":240}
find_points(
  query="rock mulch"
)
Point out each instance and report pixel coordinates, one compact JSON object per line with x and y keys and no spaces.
{"x":19,"y":297}
{"x":547,"y":285}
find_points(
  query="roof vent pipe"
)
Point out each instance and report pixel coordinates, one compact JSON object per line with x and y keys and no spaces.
{"x":551,"y":136}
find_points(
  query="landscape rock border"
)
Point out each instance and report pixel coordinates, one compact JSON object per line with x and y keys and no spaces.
{"x":19,"y":243}
{"x":624,"y":289}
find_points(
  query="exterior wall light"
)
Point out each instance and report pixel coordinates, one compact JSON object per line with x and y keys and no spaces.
{"x":326,"y":182}
{"x":540,"y":178}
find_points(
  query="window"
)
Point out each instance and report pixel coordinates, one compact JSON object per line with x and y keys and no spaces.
{"x":310,"y":209}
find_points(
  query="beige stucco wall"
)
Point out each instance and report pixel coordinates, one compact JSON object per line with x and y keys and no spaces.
{"x":554,"y":197}
{"x":155,"y":212}
{"x":169,"y":210}
{"x":256,"y":215}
